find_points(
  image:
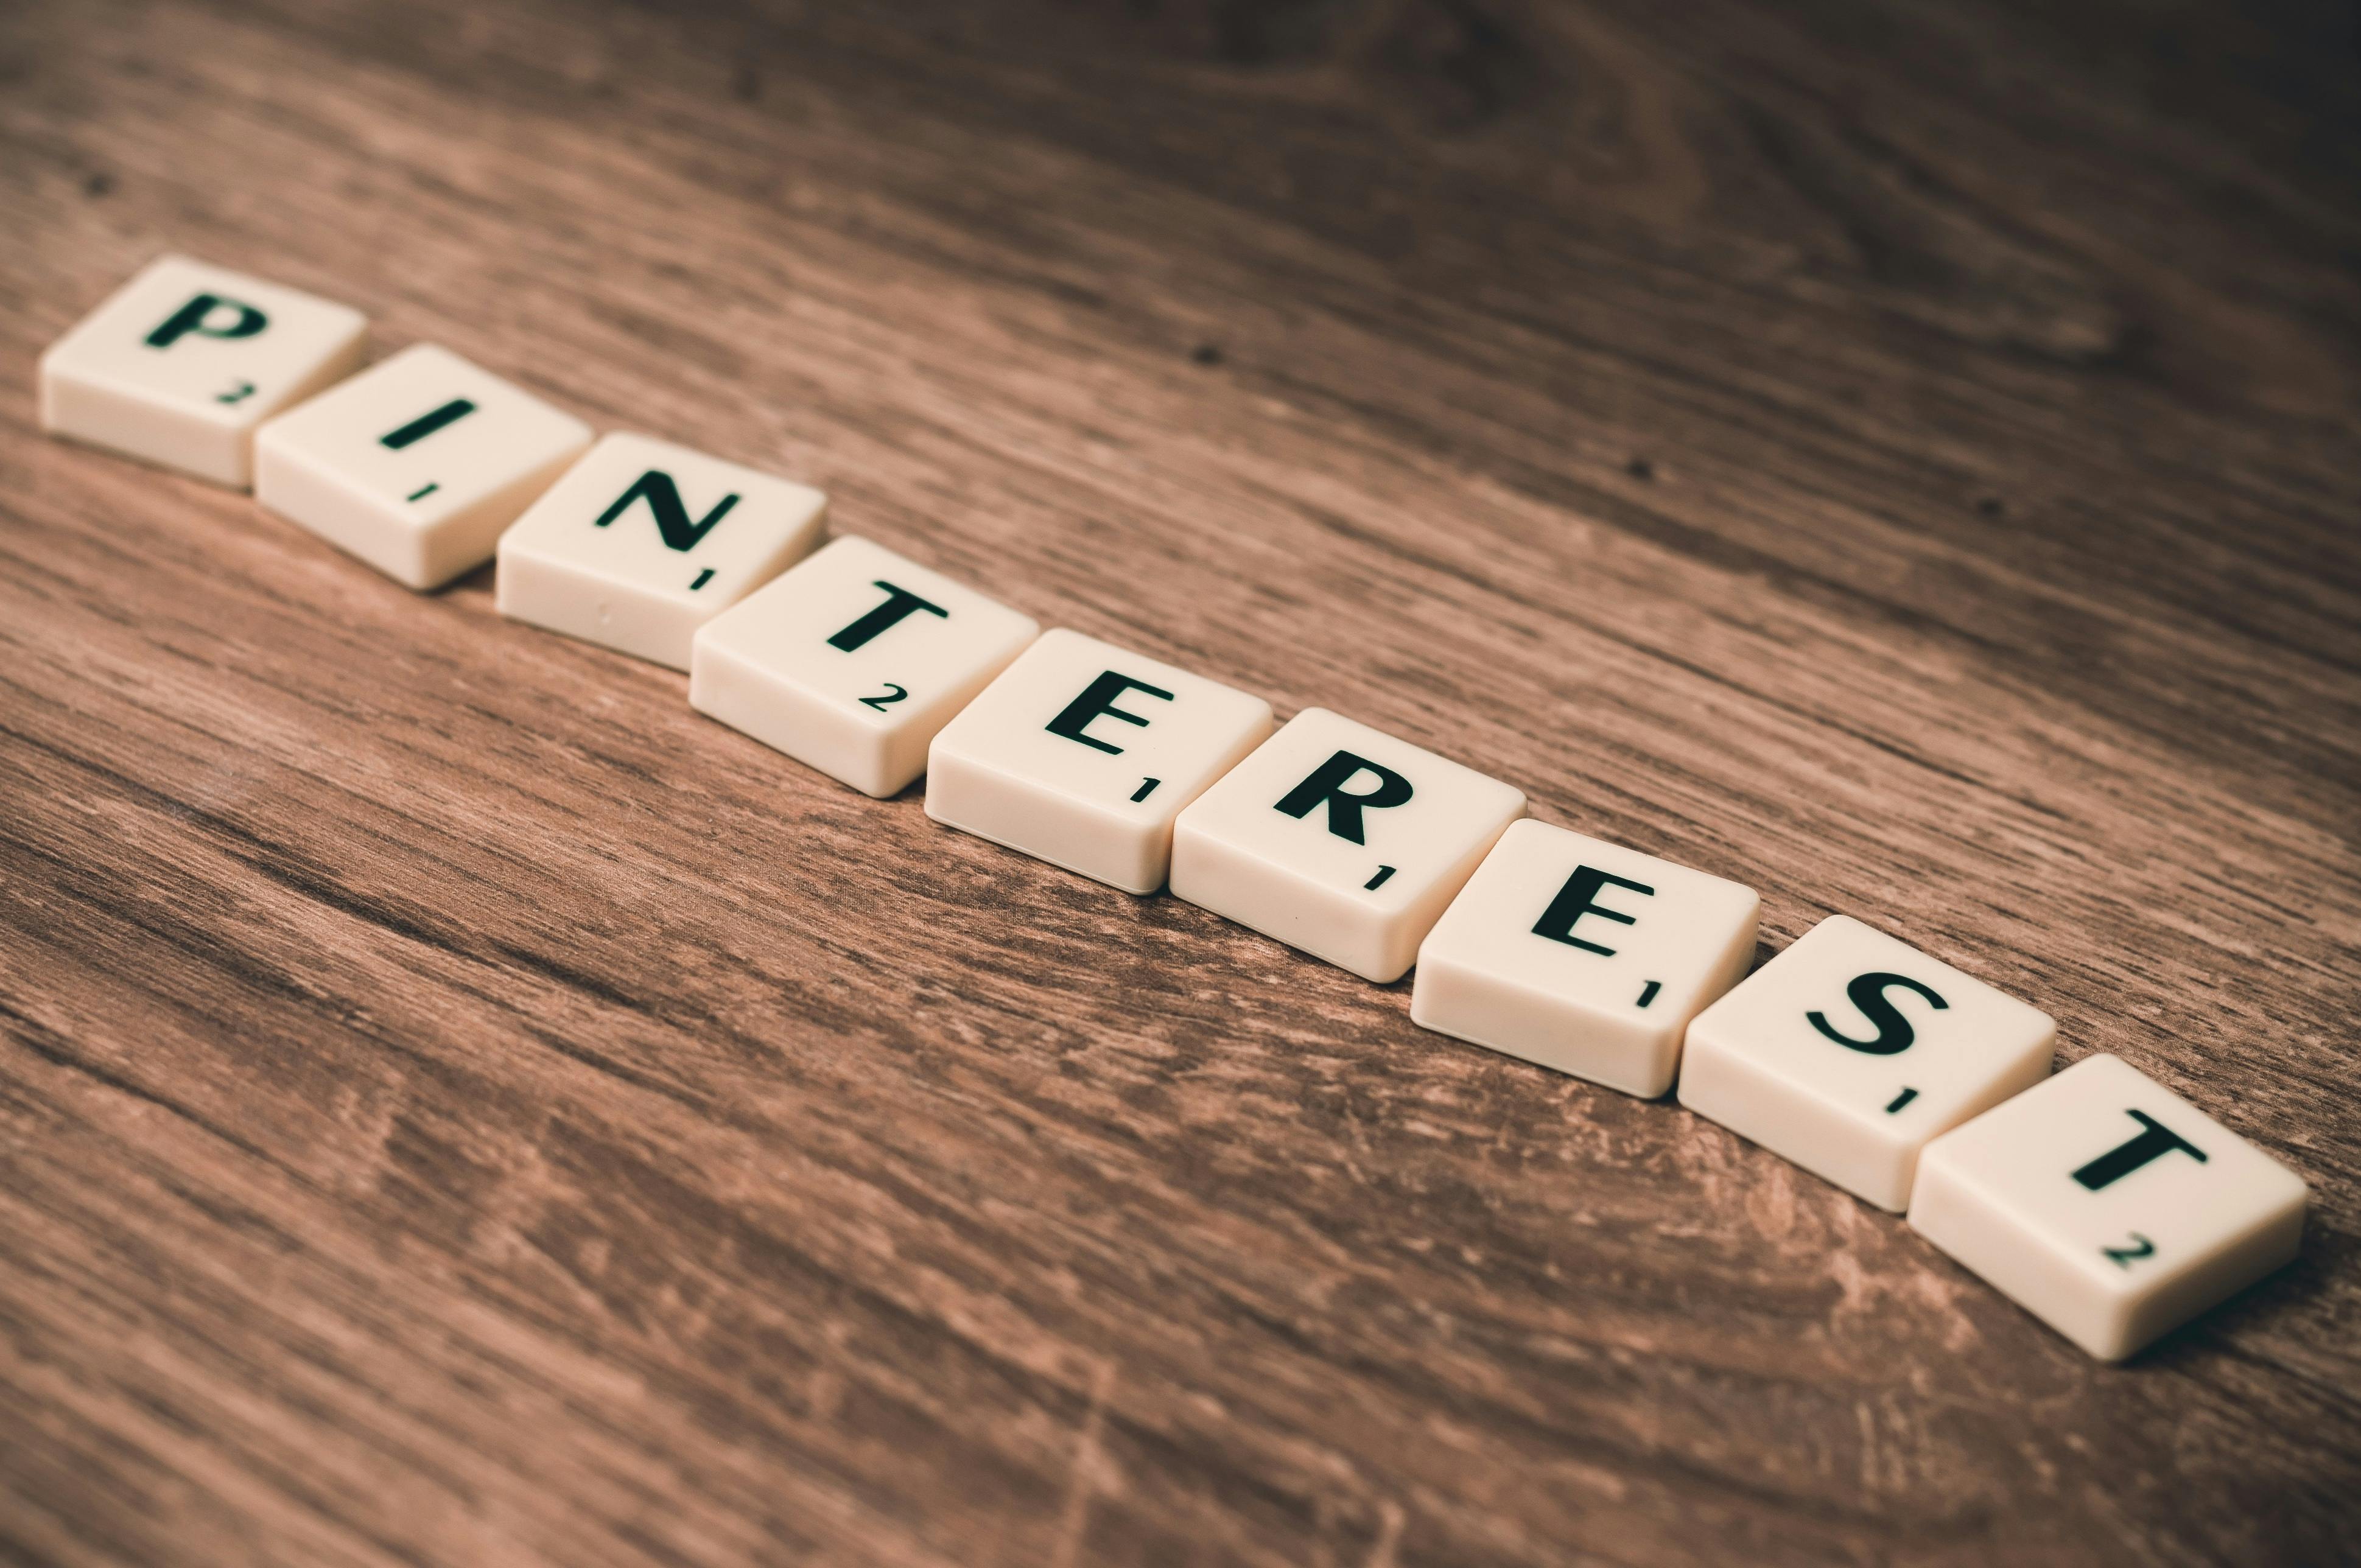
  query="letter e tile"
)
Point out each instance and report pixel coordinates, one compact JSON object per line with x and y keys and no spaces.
{"x":1583,"y":955}
{"x":1081,"y":754}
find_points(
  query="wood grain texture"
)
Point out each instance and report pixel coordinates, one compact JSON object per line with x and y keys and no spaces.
{"x":458,"y":1104}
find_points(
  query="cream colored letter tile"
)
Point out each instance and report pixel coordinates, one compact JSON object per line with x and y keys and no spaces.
{"x":641,"y":543}
{"x":1849,"y":1050}
{"x":415,"y":465}
{"x":852,"y":661}
{"x":1340,"y":839}
{"x":2107,"y":1206}
{"x":1082,"y":753}
{"x":1583,"y":955}
{"x":179,"y":365}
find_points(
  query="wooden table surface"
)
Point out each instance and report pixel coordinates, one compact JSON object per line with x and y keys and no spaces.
{"x":459,"y":1104}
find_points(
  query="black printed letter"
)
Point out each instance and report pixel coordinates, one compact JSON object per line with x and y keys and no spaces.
{"x":1867,"y":993}
{"x":1574,"y":901}
{"x":1097,"y":698}
{"x":1328,"y":782}
{"x":2155,"y":1140}
{"x":426,"y":424}
{"x":191,"y":318}
{"x":655,"y":488}
{"x":899,"y":603}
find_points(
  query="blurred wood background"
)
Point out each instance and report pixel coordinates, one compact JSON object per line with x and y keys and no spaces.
{"x":459,"y":1105}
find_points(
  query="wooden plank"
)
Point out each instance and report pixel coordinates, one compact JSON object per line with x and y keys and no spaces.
{"x":456,"y":1101}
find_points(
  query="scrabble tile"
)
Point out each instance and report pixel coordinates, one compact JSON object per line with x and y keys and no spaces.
{"x":1583,"y":955}
{"x":2107,"y":1206}
{"x":179,"y":365}
{"x":1340,"y":839}
{"x":854,"y":660}
{"x":1082,"y":753}
{"x":415,"y":465}
{"x":1849,"y":1051}
{"x":641,"y":543}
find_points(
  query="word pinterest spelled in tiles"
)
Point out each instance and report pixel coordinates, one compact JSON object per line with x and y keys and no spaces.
{"x":2103,"y":1204}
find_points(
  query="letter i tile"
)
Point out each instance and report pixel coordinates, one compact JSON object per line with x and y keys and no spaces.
{"x":1849,"y":1051}
{"x":416,"y":465}
{"x":2107,"y":1206}
{"x":641,"y":543}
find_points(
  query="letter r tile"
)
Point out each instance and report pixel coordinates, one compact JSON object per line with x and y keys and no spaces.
{"x":1340,"y":839}
{"x":1849,"y":1051}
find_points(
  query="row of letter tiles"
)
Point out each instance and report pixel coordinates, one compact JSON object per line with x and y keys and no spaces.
{"x":181,"y":365}
{"x":2097,"y":1198}
{"x":422,"y":465}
